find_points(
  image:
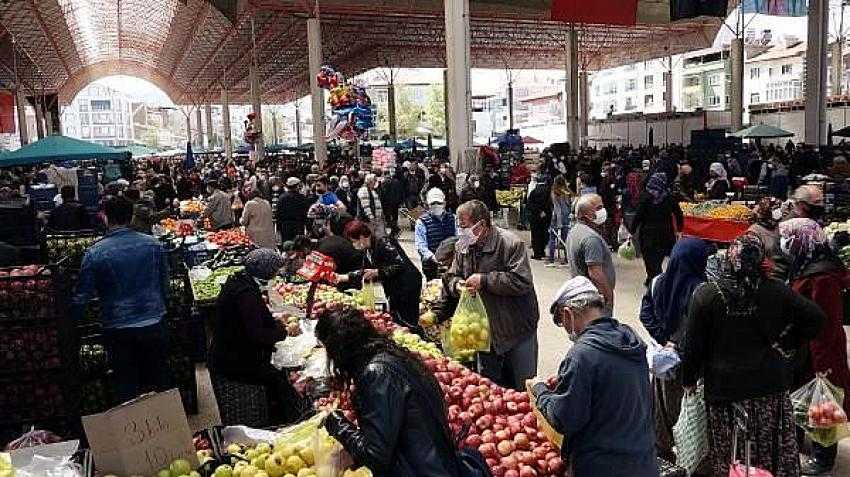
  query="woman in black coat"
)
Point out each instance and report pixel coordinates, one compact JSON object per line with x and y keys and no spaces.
{"x":654,"y":223}
{"x":385,"y":261}
{"x":402,"y":428}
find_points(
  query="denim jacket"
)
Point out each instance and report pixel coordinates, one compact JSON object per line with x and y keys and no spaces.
{"x":128,"y":271}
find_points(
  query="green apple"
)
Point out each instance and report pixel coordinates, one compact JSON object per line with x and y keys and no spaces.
{"x":264,"y":448}
{"x":234,"y":449}
{"x":251,"y":454}
{"x":260,"y":461}
{"x":164,"y":473}
{"x":194,"y":473}
{"x":294,"y":464}
{"x":275,"y":465}
{"x":249,"y":471}
{"x":223,"y":471}
{"x":180,"y":467}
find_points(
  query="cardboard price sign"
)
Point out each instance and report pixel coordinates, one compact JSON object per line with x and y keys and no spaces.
{"x":142,"y":436}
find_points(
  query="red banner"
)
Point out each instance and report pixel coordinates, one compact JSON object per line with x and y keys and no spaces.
{"x":7,"y":113}
{"x":607,"y":12}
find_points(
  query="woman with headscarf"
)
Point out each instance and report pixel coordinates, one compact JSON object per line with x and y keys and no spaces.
{"x":663,"y":308}
{"x":740,"y":337}
{"x":244,"y":337}
{"x":819,"y":275}
{"x":654,"y":219}
{"x":718,"y":183}
{"x":767,"y":215}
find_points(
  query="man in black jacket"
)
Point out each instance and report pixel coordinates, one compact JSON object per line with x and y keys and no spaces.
{"x":539,"y":216}
{"x":292,"y":210}
{"x":71,"y":215}
{"x":391,"y":192}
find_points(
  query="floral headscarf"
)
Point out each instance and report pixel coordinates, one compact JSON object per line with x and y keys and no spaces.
{"x":657,"y":187}
{"x":764,"y":212}
{"x":263,"y":263}
{"x":802,"y":240}
{"x":739,"y":274}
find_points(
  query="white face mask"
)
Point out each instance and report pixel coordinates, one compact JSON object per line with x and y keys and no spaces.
{"x":777,"y":214}
{"x":476,"y":184}
{"x":785,"y":245}
{"x":438,"y":209}
{"x":466,"y":238}
{"x":601,"y":217}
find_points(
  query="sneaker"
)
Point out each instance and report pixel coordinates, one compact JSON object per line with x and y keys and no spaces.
{"x":551,"y":265}
{"x":815,"y":467}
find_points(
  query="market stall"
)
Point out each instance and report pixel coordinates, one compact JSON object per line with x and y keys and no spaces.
{"x":715,"y":221}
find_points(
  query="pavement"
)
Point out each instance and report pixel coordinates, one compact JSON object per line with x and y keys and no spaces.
{"x":553,"y":341}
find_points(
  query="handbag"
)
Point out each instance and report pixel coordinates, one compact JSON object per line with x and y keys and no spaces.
{"x":690,"y":433}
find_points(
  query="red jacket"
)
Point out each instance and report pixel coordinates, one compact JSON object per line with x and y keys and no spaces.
{"x":828,"y":351}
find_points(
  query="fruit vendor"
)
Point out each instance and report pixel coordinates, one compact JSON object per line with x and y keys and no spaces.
{"x":402,"y":428}
{"x":431,"y":229}
{"x":128,"y":271}
{"x":601,"y":402}
{"x":494,"y":263}
{"x":244,"y":337}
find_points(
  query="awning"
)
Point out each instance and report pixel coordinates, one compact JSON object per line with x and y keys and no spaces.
{"x":762,"y":131}
{"x":54,"y":149}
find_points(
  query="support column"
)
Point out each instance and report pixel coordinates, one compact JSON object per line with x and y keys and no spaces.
{"x":510,"y":104}
{"x":225,"y":124}
{"x":21,"y":103}
{"x":815,"y":96}
{"x":317,"y":95}
{"x":571,"y":89}
{"x":257,"y":107}
{"x":211,"y":142}
{"x":298,"y":139}
{"x":446,"y":104}
{"x":837,"y":67}
{"x":668,"y":86}
{"x":189,"y":129}
{"x":736,"y":96}
{"x":199,"y":122}
{"x":274,"y":127}
{"x":458,"y":97}
{"x":584,"y":109}
{"x":39,"y":116}
{"x":391,"y":117}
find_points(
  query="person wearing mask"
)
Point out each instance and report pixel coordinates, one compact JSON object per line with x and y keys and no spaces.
{"x":385,"y":261}
{"x":402,"y":429}
{"x":218,"y":208}
{"x":663,"y":308}
{"x":767,"y":214}
{"x":539,"y":207}
{"x":431,"y":229}
{"x":493,"y":263}
{"x":740,"y":337}
{"x":71,"y":215}
{"x":559,"y":226}
{"x":128,"y":272}
{"x":587,"y":253}
{"x":347,"y":258}
{"x":444,"y":182}
{"x":414,"y":181}
{"x":257,"y":219}
{"x":347,"y":195}
{"x":476,"y":189}
{"x":683,"y":186}
{"x":391,"y":193}
{"x":326,"y":197}
{"x":819,"y":275}
{"x":718,"y":184}
{"x":371,"y":210}
{"x":658,"y":220}
{"x":292,"y":211}
{"x":808,"y":203}
{"x":602,"y":400}
{"x":244,"y":336}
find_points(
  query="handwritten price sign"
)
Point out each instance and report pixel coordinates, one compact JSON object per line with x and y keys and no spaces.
{"x":142,"y":436}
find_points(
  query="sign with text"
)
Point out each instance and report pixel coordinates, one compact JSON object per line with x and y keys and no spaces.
{"x":142,"y":436}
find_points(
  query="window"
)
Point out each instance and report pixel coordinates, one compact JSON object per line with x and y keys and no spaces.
{"x":101,"y":105}
{"x":630,"y":104}
{"x":787,"y":69}
{"x":648,"y":100}
{"x":648,"y":81}
{"x":664,"y":80}
{"x":86,"y":133}
{"x":714,"y":80}
{"x":84,"y":119}
{"x":755,"y":72}
{"x":631,"y":84}
{"x":664,"y":97}
{"x":770,"y":72}
{"x":692,"y":81}
{"x":84,"y":107}
{"x":714,"y":100}
{"x":755,"y":98}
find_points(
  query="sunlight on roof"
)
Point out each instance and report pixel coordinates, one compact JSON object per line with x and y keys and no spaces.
{"x":137,"y":89}
{"x":82,"y":27}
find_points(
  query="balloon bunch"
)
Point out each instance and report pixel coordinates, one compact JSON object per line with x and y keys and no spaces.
{"x":352,"y":108}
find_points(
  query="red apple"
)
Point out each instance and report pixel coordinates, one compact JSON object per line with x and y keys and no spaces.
{"x":505,"y":448}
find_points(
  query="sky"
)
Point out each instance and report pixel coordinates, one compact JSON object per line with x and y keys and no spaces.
{"x":138,"y":89}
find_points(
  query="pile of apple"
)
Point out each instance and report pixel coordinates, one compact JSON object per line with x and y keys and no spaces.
{"x":826,"y":414}
{"x":263,"y":460}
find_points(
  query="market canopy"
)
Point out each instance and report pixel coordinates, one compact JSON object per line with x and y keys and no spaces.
{"x":762,"y":131}
{"x":843,"y":132}
{"x":191,"y":49}
{"x":54,"y":149}
{"x":137,"y":150}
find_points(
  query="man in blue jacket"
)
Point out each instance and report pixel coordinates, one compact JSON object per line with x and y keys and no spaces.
{"x":128,"y":271}
{"x":601,"y":402}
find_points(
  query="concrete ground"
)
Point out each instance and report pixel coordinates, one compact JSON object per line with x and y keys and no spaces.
{"x":553,"y":341}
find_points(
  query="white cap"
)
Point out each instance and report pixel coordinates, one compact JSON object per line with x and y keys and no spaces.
{"x":435,"y":195}
{"x":405,"y":164}
{"x":574,"y":289}
{"x":292,"y":182}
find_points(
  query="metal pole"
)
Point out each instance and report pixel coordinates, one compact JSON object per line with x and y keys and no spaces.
{"x":459,"y":96}
{"x":815,"y":96}
{"x":391,"y":114}
{"x":274,"y":127}
{"x":571,"y":88}
{"x":298,"y":139}
{"x":210,"y":131}
{"x":317,"y":96}
{"x":225,"y":124}
{"x":188,"y":127}
{"x":21,"y":103}
{"x":838,"y":57}
{"x":39,"y":116}
{"x":584,"y":107}
{"x":668,"y":86}
{"x":257,"y":106}
{"x":199,"y":139}
{"x":510,"y":104}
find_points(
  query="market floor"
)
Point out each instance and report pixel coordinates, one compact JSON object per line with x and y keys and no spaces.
{"x":553,"y":341}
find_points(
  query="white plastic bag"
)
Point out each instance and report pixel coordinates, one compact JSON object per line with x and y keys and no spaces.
{"x":293,"y":351}
{"x":623,"y":234}
{"x":690,"y":433}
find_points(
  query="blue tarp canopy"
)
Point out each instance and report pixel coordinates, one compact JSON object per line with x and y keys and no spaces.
{"x":54,"y":149}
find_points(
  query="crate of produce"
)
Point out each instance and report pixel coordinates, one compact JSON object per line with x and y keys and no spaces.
{"x":69,"y":247}
{"x":206,"y":284}
{"x":33,"y":293}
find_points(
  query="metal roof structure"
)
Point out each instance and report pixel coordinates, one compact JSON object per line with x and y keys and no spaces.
{"x":190,"y":49}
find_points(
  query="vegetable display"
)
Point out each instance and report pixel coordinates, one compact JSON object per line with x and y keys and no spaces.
{"x":192,"y":207}
{"x":73,"y":249}
{"x":715,"y":210}
{"x":208,"y":289}
{"x":180,"y":228}
{"x":229,"y":238}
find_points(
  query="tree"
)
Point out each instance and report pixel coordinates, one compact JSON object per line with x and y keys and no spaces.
{"x":150,"y":137}
{"x":435,"y":112}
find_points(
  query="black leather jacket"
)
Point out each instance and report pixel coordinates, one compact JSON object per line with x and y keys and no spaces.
{"x":403,"y":431}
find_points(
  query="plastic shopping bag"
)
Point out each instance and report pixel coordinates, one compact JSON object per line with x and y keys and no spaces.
{"x":330,"y":457}
{"x":470,"y":329}
{"x":818,"y":411}
{"x":627,"y":250}
{"x":690,"y":433}
{"x":623,"y":234}
{"x":293,"y":351}
{"x":366,"y":297}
